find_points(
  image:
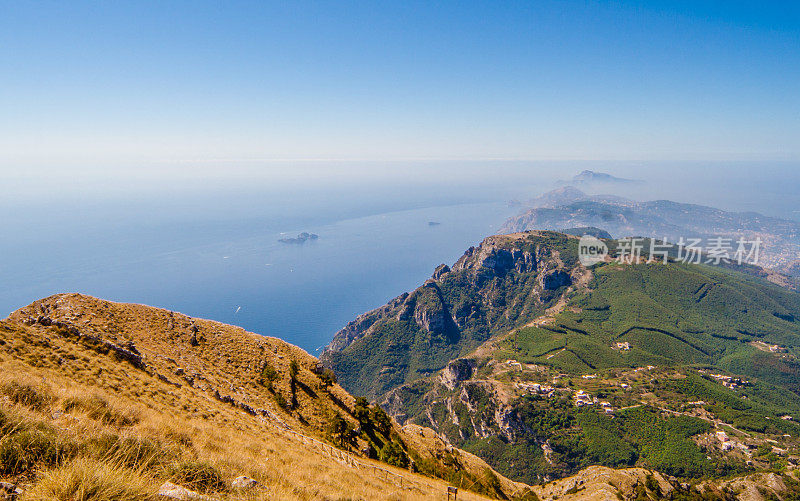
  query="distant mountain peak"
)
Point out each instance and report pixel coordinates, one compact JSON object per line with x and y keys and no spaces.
{"x":589,"y":177}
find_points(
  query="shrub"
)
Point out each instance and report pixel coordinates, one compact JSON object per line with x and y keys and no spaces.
{"x":281,"y":401}
{"x":201,"y":476}
{"x":393,"y":453}
{"x":268,"y":376}
{"x":380,"y":420}
{"x":340,"y":430}
{"x":89,"y":480}
{"x":361,"y":413}
{"x":131,"y":452}
{"x":98,"y":408}
{"x":328,"y":378}
{"x":36,"y":398}
{"x":24,"y":448}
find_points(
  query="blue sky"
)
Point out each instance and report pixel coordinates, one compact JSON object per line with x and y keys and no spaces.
{"x":130,"y":84}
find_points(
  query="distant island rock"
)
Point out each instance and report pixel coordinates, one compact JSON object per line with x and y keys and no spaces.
{"x":589,"y":177}
{"x":434,"y":223}
{"x":300,"y":239}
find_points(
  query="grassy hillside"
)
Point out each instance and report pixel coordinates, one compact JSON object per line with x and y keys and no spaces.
{"x":665,"y":419}
{"x":107,"y":401}
{"x":671,"y":314}
{"x":643,"y":363}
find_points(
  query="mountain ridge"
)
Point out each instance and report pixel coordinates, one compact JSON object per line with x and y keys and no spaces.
{"x":188,"y":384}
{"x":523,"y":397}
{"x":569,"y":207}
{"x":439,"y":319}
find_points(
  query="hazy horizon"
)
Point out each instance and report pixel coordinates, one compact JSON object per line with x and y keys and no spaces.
{"x":134,"y":134}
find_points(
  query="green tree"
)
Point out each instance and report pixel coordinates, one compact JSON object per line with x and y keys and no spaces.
{"x":393,"y":453}
{"x":328,"y":378}
{"x":380,"y":420}
{"x":361,"y":412}
{"x":268,"y":376}
{"x":340,"y":430}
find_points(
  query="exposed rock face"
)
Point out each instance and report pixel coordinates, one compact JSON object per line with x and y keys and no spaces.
{"x":460,"y":409}
{"x":598,"y":483}
{"x":456,"y":371}
{"x":505,"y":281}
{"x":490,"y":256}
{"x":440,"y":271}
{"x":363,"y":323}
{"x":556,"y":279}
{"x":431,"y":312}
{"x":394,"y":405}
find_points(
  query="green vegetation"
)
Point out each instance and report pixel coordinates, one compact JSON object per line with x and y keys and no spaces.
{"x":393,"y":454}
{"x":671,"y":314}
{"x":578,"y":438}
{"x":688,"y":321}
{"x":328,"y":378}
{"x":268,"y":376}
{"x":758,"y":411}
{"x":471,"y":305}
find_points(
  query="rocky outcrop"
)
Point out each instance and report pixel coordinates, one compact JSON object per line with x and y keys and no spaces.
{"x":172,"y":491}
{"x":506,"y":281}
{"x":599,"y":483}
{"x":363,"y":324}
{"x":431,"y":312}
{"x":440,"y":271}
{"x":456,"y":371}
{"x":757,"y":487}
{"x":128,"y":352}
{"x":556,"y":279}
{"x":243,"y":483}
{"x":495,"y":257}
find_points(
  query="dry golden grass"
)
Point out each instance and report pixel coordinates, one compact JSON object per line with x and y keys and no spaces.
{"x":85,"y":480}
{"x":124,"y":430}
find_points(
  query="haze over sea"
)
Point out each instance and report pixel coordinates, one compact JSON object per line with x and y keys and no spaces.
{"x":210,"y":249}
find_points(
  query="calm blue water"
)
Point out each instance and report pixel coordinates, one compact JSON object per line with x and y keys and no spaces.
{"x":209,"y":247}
{"x":232,"y":268}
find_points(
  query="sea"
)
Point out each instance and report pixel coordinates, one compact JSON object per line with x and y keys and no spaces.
{"x":212,"y":249}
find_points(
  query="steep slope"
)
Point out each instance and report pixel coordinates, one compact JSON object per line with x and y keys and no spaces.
{"x":128,"y":396}
{"x":631,"y":365}
{"x":506,"y":281}
{"x":673,"y":314}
